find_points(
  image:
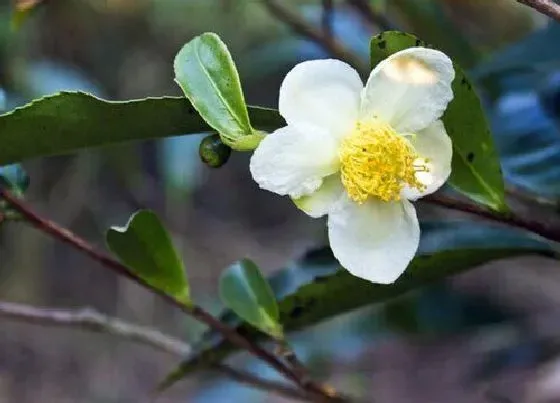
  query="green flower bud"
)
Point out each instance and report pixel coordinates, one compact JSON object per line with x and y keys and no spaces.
{"x":213,"y":151}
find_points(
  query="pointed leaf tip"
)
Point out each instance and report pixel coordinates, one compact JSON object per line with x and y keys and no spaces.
{"x":145,"y":247}
{"x":246,"y":292}
{"x":205,"y":71}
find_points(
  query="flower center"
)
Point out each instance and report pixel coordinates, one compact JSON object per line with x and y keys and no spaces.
{"x":376,"y":161}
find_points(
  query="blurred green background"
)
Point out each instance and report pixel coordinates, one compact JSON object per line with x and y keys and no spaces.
{"x":488,"y":335}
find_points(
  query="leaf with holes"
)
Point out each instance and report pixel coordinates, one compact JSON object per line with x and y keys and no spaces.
{"x":315,"y":288}
{"x":145,"y":247}
{"x":476,"y":168}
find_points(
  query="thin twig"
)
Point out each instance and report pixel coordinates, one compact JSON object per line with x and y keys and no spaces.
{"x":62,"y":234}
{"x":546,"y":7}
{"x":374,"y":18}
{"x":505,"y":218}
{"x":303,"y":28}
{"x":285,"y":351}
{"x":91,"y":320}
{"x":264,"y":384}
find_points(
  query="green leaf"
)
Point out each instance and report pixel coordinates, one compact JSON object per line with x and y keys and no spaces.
{"x":246,"y":292}
{"x":440,"y":309}
{"x":205,"y":71}
{"x":145,"y":247}
{"x":70,"y":121}
{"x":527,"y":133}
{"x":476,"y":166}
{"x":315,"y":288}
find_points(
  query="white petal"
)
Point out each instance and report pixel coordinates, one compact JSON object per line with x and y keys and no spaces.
{"x":434,"y":144}
{"x":322,"y":93}
{"x":375,"y":240}
{"x":324,"y":200}
{"x":410,"y":89}
{"x":291,"y":162}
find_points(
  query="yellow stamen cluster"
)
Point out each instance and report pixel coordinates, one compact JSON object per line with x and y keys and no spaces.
{"x":376,"y":161}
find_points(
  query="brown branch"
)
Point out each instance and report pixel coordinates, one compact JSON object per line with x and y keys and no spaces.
{"x":62,"y":234}
{"x":295,"y":373}
{"x":521,"y":195}
{"x":373,"y":17}
{"x":91,"y":320}
{"x":264,"y":384}
{"x":546,"y":7}
{"x":285,"y":351}
{"x":303,"y":28}
{"x":505,"y":218}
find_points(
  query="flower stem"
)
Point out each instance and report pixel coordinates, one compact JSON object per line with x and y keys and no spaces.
{"x":508,"y":218}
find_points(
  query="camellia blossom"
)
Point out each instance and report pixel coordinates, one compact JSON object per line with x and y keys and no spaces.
{"x":361,"y":155}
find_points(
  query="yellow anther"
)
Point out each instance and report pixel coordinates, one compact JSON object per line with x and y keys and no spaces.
{"x":376,"y":161}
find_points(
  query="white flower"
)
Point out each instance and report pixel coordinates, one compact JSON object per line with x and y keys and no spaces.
{"x":361,"y":154}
